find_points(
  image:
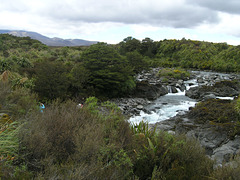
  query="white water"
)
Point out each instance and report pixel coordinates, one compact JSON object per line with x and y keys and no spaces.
{"x":168,"y":106}
{"x":165,"y":107}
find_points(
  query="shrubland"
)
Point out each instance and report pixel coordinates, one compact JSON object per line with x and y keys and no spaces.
{"x":96,"y":141}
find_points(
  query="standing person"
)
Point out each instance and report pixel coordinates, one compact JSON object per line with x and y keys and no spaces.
{"x":42,"y":107}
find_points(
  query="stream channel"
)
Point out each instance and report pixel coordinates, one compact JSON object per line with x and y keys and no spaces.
{"x":171,"y":104}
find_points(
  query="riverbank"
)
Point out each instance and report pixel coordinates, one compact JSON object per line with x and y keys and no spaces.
{"x":170,"y":112}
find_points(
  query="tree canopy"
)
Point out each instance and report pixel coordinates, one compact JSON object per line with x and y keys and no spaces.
{"x":110,"y":74}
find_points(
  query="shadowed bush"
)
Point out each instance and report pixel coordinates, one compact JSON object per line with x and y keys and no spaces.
{"x":165,"y":156}
{"x":66,"y":136}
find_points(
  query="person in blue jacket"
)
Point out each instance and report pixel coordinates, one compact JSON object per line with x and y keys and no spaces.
{"x":42,"y":107}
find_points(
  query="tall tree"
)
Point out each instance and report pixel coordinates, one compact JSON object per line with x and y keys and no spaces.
{"x":110,"y":74}
{"x":129,"y":44}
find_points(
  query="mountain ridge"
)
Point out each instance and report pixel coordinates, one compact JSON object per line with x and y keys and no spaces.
{"x":49,"y":41}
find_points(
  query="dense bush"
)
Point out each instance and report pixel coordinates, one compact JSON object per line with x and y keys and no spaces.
{"x":164,"y":156}
{"x":95,"y":142}
{"x":77,"y":137}
{"x":109,"y":73}
{"x":220,"y":113}
{"x":175,"y":73}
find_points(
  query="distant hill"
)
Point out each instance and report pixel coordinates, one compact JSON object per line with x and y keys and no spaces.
{"x":49,"y":41}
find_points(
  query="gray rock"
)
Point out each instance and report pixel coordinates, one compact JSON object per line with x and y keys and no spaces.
{"x":140,"y":107}
{"x":172,"y":89}
{"x":200,"y":80}
{"x":149,"y":91}
{"x":209,"y":96}
{"x":226,"y":151}
{"x":182,"y":87}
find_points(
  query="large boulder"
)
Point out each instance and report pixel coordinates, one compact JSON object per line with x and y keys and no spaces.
{"x":149,"y":91}
{"x":225,"y":152}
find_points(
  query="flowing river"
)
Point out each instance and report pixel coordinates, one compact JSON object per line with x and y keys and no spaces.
{"x":168,"y":106}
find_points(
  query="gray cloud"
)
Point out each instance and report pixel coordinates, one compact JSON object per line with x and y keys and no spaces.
{"x":228,"y":6}
{"x":171,"y":14}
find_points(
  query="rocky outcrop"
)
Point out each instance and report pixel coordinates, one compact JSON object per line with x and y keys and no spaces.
{"x":216,"y":142}
{"x":131,"y":106}
{"x":223,"y":89}
{"x":149,"y":91}
{"x":225,"y":152}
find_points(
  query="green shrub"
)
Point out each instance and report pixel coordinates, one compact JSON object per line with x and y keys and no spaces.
{"x":10,"y":168}
{"x":173,"y":73}
{"x":20,"y":102}
{"x":216,"y":110}
{"x":165,"y":156}
{"x":66,"y":136}
{"x":220,"y":113}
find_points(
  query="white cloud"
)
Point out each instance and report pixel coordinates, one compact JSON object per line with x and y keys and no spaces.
{"x":115,"y":19}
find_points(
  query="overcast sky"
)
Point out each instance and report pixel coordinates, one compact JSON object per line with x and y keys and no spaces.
{"x":113,"y":20}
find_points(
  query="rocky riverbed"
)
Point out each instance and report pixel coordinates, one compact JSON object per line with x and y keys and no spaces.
{"x":150,"y":87}
{"x":151,"y":96}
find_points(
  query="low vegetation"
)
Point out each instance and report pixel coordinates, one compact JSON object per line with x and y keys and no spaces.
{"x":175,"y":73}
{"x":66,"y":141}
{"x":220,"y":113}
{"x":95,"y":142}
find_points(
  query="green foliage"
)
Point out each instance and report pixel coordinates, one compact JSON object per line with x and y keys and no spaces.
{"x":16,"y":102}
{"x":79,"y":77}
{"x":221,"y":113}
{"x":21,"y":102}
{"x":165,"y":156}
{"x":9,"y":139}
{"x":216,"y":110}
{"x":51,"y":80}
{"x":129,"y":44}
{"x":92,"y":104}
{"x":237,"y":106}
{"x":109,"y":73}
{"x":173,"y":73}
{"x":136,"y":61}
{"x":197,"y":54}
{"x":13,"y":42}
{"x":70,"y":135}
{"x":143,"y":129}
{"x":148,"y":47}
{"x":96,"y":141}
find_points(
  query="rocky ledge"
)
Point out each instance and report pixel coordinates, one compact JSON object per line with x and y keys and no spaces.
{"x":220,"y":140}
{"x":225,"y":88}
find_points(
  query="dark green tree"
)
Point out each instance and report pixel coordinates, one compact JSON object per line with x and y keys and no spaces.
{"x":129,"y":44}
{"x":137,"y":61}
{"x":51,"y":80}
{"x":79,"y":77}
{"x":148,"y":47}
{"x":110,"y":74}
